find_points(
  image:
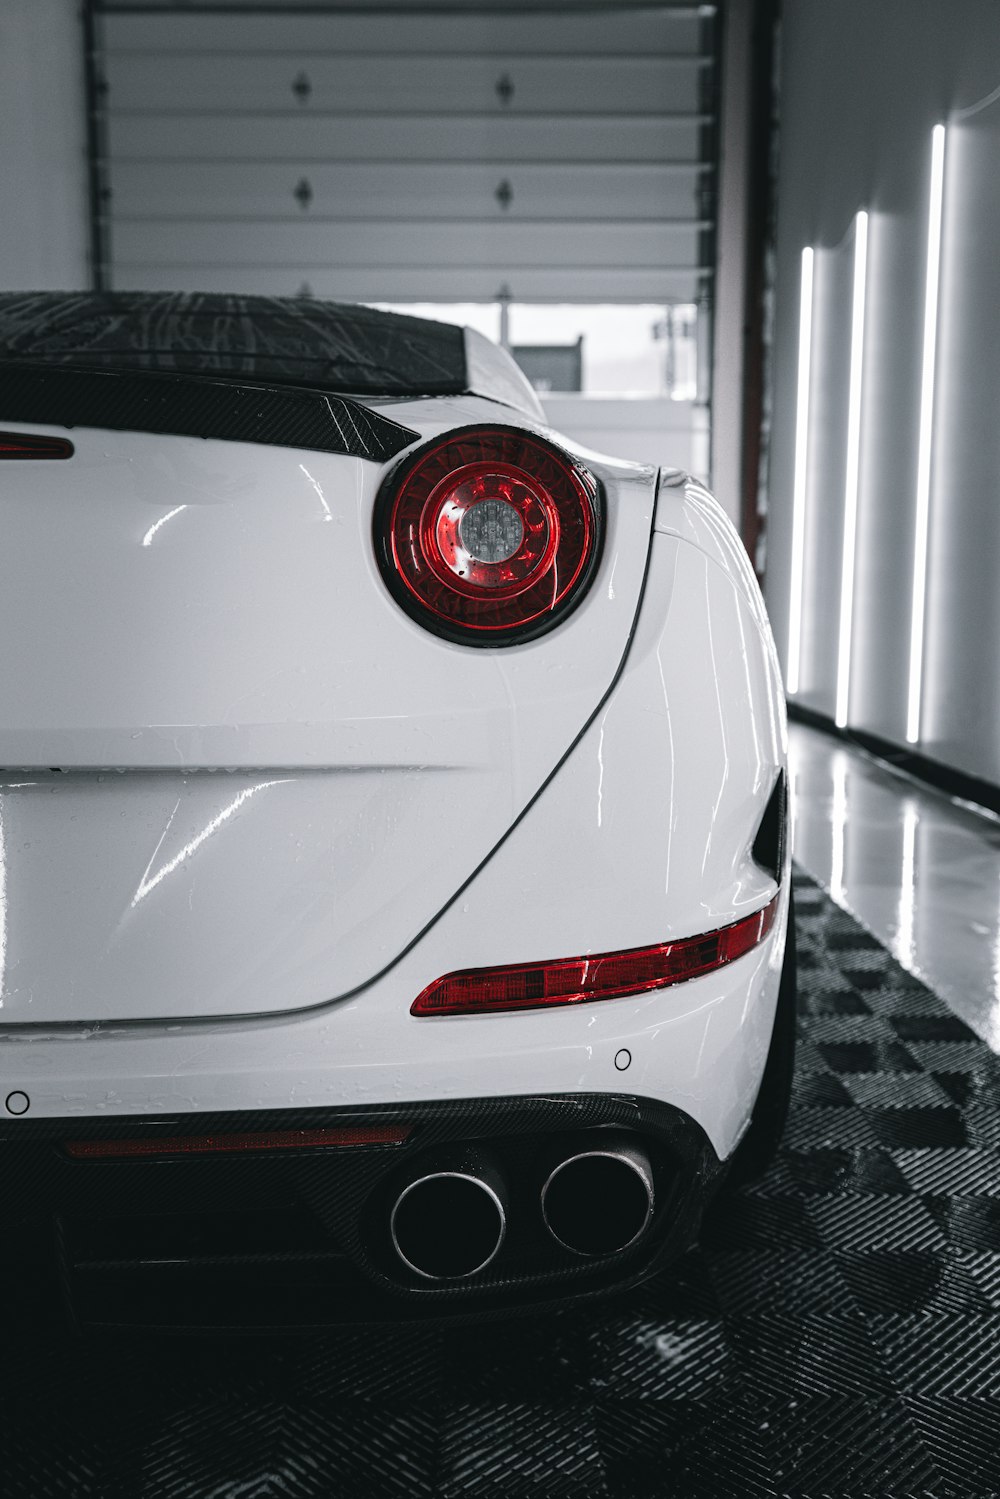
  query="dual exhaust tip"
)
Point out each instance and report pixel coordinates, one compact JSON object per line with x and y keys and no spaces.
{"x":451,"y":1223}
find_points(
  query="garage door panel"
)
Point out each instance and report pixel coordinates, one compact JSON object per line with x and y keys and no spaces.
{"x":421,"y":284}
{"x":439,"y":86}
{"x":407,"y":244}
{"x":310,"y":138}
{"x":643,"y":32}
{"x":385,"y":191}
{"x":409,"y":154}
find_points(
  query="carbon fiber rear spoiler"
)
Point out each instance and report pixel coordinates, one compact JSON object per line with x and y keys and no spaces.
{"x":198,"y":406}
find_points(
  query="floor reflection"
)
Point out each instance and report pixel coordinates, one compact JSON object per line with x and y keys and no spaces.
{"x":919,"y":870}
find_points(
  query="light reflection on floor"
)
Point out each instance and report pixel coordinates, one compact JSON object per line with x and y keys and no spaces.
{"x":921,"y":872}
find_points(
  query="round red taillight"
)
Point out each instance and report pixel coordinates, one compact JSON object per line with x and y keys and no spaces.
{"x":488,"y":536}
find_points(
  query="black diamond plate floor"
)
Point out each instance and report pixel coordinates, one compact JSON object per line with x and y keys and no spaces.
{"x":837,"y":1334}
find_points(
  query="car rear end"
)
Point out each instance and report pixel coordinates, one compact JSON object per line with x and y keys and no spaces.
{"x":393,"y":896}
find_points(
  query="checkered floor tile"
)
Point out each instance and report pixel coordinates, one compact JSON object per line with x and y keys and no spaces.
{"x":837,"y":1334}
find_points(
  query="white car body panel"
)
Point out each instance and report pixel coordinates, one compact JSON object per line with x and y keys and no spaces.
{"x":643,"y":833}
{"x":493,"y":373}
{"x":240,"y":779}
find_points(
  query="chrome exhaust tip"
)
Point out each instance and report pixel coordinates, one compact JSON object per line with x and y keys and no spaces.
{"x":599,"y":1200}
{"x":450,"y":1223}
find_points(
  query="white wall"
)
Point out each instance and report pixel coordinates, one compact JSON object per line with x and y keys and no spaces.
{"x":43,"y":163}
{"x":863,"y":82}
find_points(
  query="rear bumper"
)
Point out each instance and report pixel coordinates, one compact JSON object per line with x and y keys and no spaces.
{"x":643,"y":833}
{"x":699,"y":1046}
{"x":300,"y":1239}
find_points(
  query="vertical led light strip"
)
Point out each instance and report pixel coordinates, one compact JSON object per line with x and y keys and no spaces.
{"x":801,"y":471}
{"x":853,"y":466}
{"x":923,"y":505}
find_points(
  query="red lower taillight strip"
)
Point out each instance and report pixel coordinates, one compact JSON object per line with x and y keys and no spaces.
{"x":610,"y":975}
{"x":276,"y":1139}
{"x":22,"y":445}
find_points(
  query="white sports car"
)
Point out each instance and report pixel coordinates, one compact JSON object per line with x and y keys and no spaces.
{"x":394,"y":888}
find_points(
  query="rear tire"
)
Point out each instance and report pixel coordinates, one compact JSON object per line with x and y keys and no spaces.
{"x":759,"y":1145}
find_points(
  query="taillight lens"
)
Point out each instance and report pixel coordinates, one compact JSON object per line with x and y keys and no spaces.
{"x":610,"y":975}
{"x":489,"y":535}
{"x":25,"y":445}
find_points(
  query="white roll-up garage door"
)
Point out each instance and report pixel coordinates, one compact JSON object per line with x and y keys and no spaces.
{"x":548,"y":155}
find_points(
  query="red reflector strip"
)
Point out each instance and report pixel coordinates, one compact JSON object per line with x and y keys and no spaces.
{"x":278,"y":1139}
{"x":571,"y":981}
{"x":23,"y":445}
